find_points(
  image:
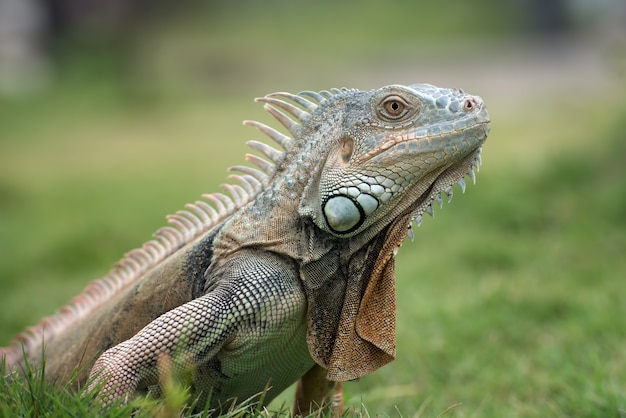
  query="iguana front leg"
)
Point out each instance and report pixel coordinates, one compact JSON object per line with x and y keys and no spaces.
{"x":315,"y":391}
{"x":196,"y":329}
{"x":245,"y":333}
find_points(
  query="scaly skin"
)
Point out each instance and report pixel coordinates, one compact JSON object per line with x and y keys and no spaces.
{"x":294,"y":272}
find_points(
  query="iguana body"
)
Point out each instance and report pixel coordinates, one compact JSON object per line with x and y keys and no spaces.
{"x":293,"y":272}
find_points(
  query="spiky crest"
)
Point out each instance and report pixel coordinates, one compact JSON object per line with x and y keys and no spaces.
{"x":185,"y":225}
{"x":282,"y":139}
{"x":264,"y":165}
{"x":267,"y":150}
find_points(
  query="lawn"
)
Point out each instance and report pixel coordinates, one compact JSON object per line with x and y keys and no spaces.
{"x":510,"y":302}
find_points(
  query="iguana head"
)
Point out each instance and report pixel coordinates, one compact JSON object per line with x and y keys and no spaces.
{"x":396,"y":147}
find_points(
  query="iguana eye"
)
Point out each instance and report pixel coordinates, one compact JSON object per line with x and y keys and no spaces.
{"x":393,"y":108}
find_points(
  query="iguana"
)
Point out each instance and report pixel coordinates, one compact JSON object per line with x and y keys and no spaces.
{"x":292,"y":276}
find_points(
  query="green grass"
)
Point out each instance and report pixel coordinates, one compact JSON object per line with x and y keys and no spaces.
{"x":30,"y":395}
{"x":510,"y":302}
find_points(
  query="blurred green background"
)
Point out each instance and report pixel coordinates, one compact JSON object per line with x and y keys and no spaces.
{"x":512,"y":302}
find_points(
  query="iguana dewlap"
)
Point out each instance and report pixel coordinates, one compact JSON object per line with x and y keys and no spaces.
{"x":293,"y":272}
